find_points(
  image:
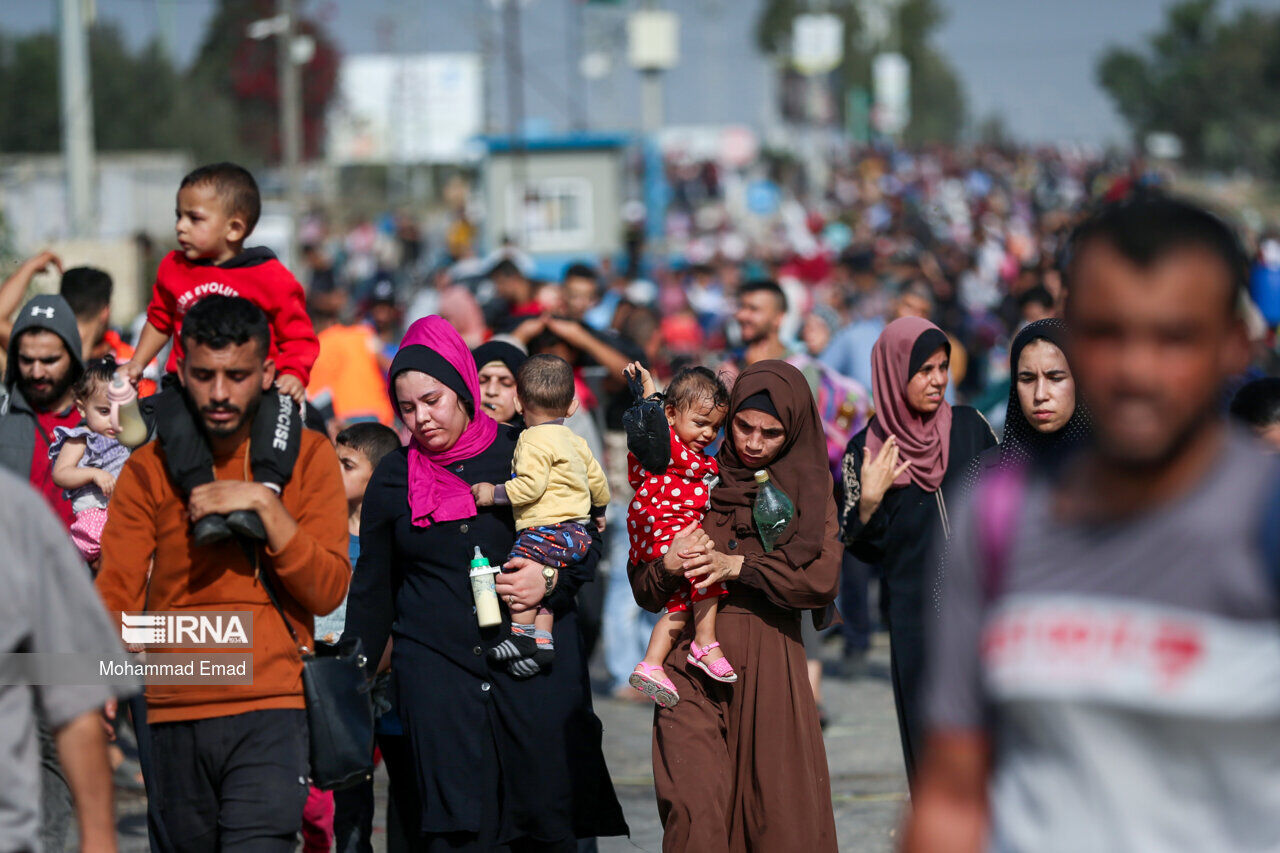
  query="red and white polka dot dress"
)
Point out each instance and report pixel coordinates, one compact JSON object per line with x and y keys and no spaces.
{"x":666,"y":503}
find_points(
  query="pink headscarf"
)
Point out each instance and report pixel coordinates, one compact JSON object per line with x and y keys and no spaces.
{"x":435,"y":494}
{"x":924,"y":440}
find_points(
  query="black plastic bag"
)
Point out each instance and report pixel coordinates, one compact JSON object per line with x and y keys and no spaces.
{"x":648,"y":434}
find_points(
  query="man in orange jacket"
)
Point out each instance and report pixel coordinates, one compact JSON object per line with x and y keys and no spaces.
{"x":230,"y":762}
{"x":347,"y":367}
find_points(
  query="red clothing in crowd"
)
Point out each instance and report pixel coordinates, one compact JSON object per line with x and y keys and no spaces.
{"x":42,"y":465}
{"x":532,"y":308}
{"x":254,"y":274}
{"x":666,"y":503}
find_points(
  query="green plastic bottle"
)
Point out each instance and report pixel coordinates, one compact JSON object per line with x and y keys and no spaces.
{"x":772,"y":510}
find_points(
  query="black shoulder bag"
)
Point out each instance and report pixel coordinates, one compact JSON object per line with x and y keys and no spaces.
{"x":339,"y":705}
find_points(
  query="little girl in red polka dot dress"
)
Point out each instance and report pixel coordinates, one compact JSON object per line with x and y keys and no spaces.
{"x":665,"y":503}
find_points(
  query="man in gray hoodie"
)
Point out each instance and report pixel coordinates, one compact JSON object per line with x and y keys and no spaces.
{"x":45,"y":360}
{"x":44,"y":363}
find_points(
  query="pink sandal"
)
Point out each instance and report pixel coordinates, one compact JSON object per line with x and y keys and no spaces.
{"x":720,"y":669}
{"x":659,"y":689}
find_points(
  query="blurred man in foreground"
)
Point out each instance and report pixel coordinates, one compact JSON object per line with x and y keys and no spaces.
{"x":1106,"y":663}
{"x":50,"y":607}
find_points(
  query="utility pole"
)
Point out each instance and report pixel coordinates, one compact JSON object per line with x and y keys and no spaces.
{"x":290,"y":119}
{"x":484,"y":33}
{"x":514,"y":57}
{"x":652,"y":47}
{"x":651,"y":101}
{"x":167,"y":26}
{"x":576,"y":88}
{"x":77,"y":116}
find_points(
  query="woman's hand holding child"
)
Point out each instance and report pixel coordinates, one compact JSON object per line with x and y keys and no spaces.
{"x":688,"y":549}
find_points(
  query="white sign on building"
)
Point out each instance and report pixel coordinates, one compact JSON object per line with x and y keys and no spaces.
{"x":406,"y":108}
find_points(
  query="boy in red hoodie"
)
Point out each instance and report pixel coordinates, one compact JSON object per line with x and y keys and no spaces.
{"x":217,"y":209}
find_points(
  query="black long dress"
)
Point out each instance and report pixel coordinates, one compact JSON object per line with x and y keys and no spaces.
{"x":502,"y":763}
{"x":901,"y":537}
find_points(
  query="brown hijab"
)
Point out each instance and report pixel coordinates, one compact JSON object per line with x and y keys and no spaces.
{"x":801,"y":469}
{"x":923,"y":440}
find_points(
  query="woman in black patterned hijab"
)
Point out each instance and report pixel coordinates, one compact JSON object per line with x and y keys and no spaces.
{"x":1045,"y":420}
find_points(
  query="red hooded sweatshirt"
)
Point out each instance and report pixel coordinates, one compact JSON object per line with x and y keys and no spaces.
{"x":254,"y":274}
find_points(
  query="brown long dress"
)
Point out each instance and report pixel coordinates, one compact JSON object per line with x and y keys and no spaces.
{"x":741,"y":767}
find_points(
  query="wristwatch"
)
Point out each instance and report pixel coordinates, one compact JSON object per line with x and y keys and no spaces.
{"x":549,"y":577}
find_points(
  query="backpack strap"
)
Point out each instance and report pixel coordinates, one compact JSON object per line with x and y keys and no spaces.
{"x":1000,"y":496}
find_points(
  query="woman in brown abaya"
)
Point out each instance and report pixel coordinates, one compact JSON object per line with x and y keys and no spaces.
{"x":741,"y":766}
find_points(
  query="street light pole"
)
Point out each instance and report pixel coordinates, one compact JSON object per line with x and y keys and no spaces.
{"x":651,"y":100}
{"x":576,"y":89}
{"x":653,"y":47}
{"x":77,"y":116}
{"x":513,"y":56}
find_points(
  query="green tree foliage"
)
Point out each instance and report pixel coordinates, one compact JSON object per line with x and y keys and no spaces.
{"x":1213,"y":83}
{"x":222,"y":108}
{"x":29,"y":93}
{"x":992,"y":130}
{"x":937,"y":97}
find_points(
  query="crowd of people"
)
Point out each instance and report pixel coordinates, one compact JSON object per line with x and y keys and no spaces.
{"x":992,"y":386}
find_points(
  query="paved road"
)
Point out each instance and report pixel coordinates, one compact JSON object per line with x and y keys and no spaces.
{"x":868,"y":785}
{"x":867,"y":781}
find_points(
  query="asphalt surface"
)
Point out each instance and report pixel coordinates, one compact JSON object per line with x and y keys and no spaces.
{"x":868,"y":785}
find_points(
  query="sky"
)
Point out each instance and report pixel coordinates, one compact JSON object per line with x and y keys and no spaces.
{"x":1030,"y":61}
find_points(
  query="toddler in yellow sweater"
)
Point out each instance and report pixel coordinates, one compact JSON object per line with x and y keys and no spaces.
{"x":557,"y":488}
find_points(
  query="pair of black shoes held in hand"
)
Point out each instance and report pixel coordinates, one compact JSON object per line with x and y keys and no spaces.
{"x":214,"y":527}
